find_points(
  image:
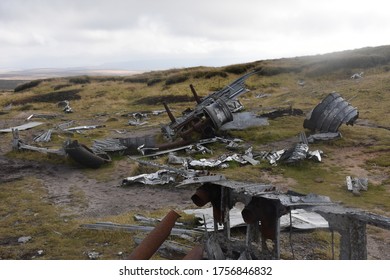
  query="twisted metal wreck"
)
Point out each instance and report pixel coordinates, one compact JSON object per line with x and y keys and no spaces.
{"x":330,"y":114}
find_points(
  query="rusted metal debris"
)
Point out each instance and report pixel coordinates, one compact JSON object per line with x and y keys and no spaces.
{"x":330,"y":114}
{"x":155,"y":238}
{"x":264,"y":208}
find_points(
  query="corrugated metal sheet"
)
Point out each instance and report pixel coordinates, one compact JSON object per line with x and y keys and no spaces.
{"x":330,"y":114}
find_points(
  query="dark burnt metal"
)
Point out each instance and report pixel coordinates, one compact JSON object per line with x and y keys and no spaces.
{"x":208,"y":116}
{"x":219,"y":113}
{"x":330,"y":114}
{"x":84,"y":155}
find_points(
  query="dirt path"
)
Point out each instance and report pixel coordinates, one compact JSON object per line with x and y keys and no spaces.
{"x":82,"y":196}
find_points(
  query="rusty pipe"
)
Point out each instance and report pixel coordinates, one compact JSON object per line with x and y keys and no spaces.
{"x":170,"y":115}
{"x":196,"y":253}
{"x":201,"y":197}
{"x":196,"y":96}
{"x":155,"y":238}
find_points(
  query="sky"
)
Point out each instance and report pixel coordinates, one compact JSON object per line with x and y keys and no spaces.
{"x":153,"y":35}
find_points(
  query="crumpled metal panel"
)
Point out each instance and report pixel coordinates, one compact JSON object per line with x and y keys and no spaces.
{"x":160,"y":177}
{"x":330,"y":114}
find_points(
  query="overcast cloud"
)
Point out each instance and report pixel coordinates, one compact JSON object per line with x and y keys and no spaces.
{"x":177,"y":33}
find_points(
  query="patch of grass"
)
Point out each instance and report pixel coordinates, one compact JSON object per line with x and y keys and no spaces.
{"x":382,"y":160}
{"x":26,"y":210}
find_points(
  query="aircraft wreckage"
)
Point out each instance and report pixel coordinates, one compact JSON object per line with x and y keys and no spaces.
{"x":212,"y":114}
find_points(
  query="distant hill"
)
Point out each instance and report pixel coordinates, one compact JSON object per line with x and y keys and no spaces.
{"x":43,"y":73}
{"x":335,"y":64}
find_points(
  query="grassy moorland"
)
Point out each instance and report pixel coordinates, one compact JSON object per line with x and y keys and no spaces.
{"x":364,"y":150}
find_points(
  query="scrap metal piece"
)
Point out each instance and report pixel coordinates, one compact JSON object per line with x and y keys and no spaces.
{"x":44,"y":137}
{"x":66,"y":106}
{"x":202,"y":180}
{"x":323,"y":136}
{"x":137,"y":122}
{"x":17,"y":144}
{"x":357,"y":76}
{"x":65,"y":125}
{"x":330,"y":114}
{"x":297,"y":153}
{"x":273,"y":157}
{"x":355,"y":185}
{"x":83,"y":127}
{"x":303,"y":220}
{"x":84,"y":155}
{"x":160,"y":177}
{"x":22,"y":127}
{"x":235,"y":105}
{"x":248,"y":156}
{"x":316,"y":155}
{"x":209,"y":114}
{"x":186,"y":173}
{"x":108,"y":145}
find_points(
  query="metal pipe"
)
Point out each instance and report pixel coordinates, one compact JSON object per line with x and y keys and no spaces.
{"x":196,"y":96}
{"x":155,"y":238}
{"x":170,"y":115}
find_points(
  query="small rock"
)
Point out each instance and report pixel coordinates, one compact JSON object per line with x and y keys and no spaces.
{"x":40,"y":252}
{"x":24,"y":239}
{"x":319,"y":180}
